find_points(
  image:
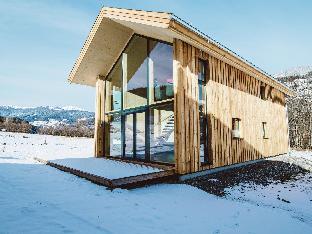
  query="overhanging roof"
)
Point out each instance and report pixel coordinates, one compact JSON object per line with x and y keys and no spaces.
{"x":114,"y":27}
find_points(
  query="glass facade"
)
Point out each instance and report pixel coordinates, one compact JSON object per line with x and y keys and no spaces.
{"x":140,"y":135}
{"x":161,"y":60}
{"x":137,"y":126}
{"x":162,"y":133}
{"x":113,"y":142}
{"x":136,"y":80}
{"x":129,"y":129}
{"x":114,"y":83}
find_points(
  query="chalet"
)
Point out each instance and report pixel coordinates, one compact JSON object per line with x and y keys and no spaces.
{"x":166,"y":93}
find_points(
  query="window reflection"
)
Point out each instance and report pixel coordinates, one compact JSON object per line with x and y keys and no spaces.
{"x":162,"y":133}
{"x":136,"y":80}
{"x":113,"y":136}
{"x":114,"y":84}
{"x":143,"y":71}
{"x":161,"y":59}
{"x":129,"y":143}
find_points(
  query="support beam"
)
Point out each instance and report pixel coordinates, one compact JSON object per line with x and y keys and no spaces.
{"x":186,"y":114}
{"x":99,"y":118}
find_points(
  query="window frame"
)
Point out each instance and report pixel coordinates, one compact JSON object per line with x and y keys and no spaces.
{"x":262,"y":92}
{"x":238,"y":129}
{"x":264,"y":126}
{"x":148,"y":75}
{"x":123,"y":111}
{"x":202,"y":82}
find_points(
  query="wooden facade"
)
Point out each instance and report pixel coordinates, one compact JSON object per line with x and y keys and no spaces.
{"x":234,"y":91}
{"x":99,"y":119}
{"x":186,"y":112}
{"x":230,"y":94}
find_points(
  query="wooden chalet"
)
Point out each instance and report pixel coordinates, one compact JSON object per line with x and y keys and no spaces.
{"x":168,"y":94}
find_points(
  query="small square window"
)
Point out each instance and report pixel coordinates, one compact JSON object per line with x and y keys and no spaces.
{"x":236,"y":128}
{"x":264,"y":130}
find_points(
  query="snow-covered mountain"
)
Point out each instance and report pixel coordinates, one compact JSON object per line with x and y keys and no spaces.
{"x":301,"y":84}
{"x":295,"y":71}
{"x":47,"y":115}
{"x":300,"y":108}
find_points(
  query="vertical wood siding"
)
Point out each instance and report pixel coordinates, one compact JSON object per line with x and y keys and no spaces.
{"x":99,"y":118}
{"x":186,"y":113}
{"x":230,"y":93}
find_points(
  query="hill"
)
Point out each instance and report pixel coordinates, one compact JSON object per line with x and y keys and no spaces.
{"x":48,"y":116}
{"x":299,"y":108}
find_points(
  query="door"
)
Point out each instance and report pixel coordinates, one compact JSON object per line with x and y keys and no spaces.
{"x":134,"y":135}
{"x":129,"y":136}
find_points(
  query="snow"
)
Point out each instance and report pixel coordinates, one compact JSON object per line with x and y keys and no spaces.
{"x":300,"y":158}
{"x":106,"y":168}
{"x":295,"y":71}
{"x":35,"y":198}
{"x":294,"y":197}
{"x":71,"y":152}
{"x":72,"y":108}
{"x":50,"y":123}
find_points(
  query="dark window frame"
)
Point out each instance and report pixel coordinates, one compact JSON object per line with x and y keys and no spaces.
{"x":238,"y":128}
{"x":264,"y":130}
{"x":202,"y":81}
{"x":262,"y":92}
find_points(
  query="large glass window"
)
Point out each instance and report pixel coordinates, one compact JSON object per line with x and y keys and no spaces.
{"x":134,"y":139}
{"x":161,"y":74}
{"x":136,"y":80}
{"x":140,"y":135}
{"x":129,"y":137}
{"x":162,"y":133}
{"x":113,"y":135}
{"x":137,"y":126}
{"x":114,"y":84}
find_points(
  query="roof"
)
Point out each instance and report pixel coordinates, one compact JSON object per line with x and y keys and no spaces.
{"x":114,"y":27}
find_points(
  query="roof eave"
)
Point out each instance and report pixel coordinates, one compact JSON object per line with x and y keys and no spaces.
{"x":216,"y":49}
{"x":178,"y":28}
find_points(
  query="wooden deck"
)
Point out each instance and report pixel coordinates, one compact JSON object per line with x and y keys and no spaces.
{"x":167,"y":175}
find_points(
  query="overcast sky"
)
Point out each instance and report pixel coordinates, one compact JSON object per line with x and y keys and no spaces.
{"x":40,"y":40}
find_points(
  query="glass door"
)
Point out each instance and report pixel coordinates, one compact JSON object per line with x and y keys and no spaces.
{"x":129,"y":126}
{"x":134,"y":135}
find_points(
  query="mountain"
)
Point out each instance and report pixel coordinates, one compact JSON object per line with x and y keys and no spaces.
{"x":295,"y":71}
{"x":299,"y":108}
{"x":48,"y":116}
{"x":301,"y":84}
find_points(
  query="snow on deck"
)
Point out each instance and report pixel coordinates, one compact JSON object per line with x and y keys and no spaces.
{"x":106,"y":168}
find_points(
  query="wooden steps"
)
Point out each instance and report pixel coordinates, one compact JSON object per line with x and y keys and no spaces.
{"x":130,"y":182}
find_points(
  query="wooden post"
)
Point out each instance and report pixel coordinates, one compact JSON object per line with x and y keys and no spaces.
{"x":99,"y":118}
{"x":186,"y":112}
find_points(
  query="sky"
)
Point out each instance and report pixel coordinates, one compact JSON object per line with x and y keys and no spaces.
{"x":40,"y":40}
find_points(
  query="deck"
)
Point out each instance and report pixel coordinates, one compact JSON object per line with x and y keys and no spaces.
{"x":140,"y":175}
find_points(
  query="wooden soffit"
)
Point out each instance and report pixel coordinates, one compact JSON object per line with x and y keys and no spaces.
{"x":114,"y":27}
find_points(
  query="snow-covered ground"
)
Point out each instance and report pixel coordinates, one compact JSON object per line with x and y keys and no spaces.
{"x":71,"y":152}
{"x":36,"y":198}
{"x":292,"y":196}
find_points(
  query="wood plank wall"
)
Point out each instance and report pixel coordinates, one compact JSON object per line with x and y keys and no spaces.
{"x":99,"y":118}
{"x":186,"y":115}
{"x":230,"y":93}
